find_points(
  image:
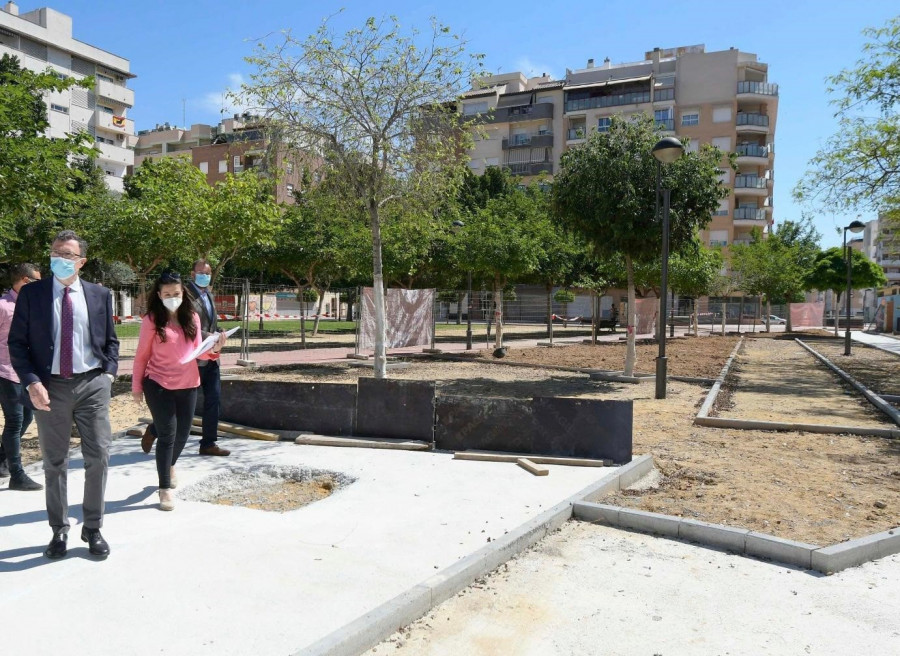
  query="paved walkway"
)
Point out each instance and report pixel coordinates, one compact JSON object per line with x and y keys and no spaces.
{"x":878,"y":340}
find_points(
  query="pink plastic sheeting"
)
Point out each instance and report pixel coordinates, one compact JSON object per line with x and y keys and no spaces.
{"x":647,"y":309}
{"x":807,"y":315}
{"x":409,"y":315}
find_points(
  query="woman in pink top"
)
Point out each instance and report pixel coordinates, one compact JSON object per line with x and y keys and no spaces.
{"x":170,"y":332}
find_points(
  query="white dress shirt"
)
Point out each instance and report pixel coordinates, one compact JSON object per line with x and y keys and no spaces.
{"x":83,"y":358}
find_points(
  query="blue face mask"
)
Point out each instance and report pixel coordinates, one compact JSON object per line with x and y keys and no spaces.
{"x":62,"y":268}
{"x":201,"y":279}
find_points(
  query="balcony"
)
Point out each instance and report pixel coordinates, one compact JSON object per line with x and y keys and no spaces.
{"x":576,"y":134}
{"x":115,"y":92}
{"x":528,"y":141}
{"x":741,"y":242}
{"x":615,"y":100}
{"x":751,"y":185}
{"x":666,"y":124}
{"x":521,"y":113}
{"x":116,"y":154}
{"x":756,"y":89}
{"x":752,"y":155}
{"x":749,"y":214}
{"x":752,"y":122}
{"x":529,"y":168}
{"x":117,"y":124}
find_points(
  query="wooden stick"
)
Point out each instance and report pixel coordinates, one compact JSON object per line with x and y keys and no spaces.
{"x":493,"y":456}
{"x":243,"y":431}
{"x":527,"y":465}
{"x":363,"y":442}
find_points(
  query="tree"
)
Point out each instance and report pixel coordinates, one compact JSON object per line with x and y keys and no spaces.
{"x":829,"y":271}
{"x":504,"y":242}
{"x":694,"y":272}
{"x":36,"y":181}
{"x":767,"y":267}
{"x":606,"y":190}
{"x":373,"y":104}
{"x":242,"y":213}
{"x":164,"y":201}
{"x":859,"y":167}
{"x":803,"y":239}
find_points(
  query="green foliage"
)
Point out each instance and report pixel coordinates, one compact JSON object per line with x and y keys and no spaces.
{"x":309,"y":295}
{"x":859,"y":167}
{"x":37,"y":186}
{"x":606,"y":190}
{"x":166,"y":201}
{"x":829,"y":271}
{"x":694,"y":272}
{"x":564,"y":296}
{"x":476,"y":190}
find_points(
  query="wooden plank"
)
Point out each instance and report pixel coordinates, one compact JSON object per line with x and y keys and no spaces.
{"x":363,"y":442}
{"x":243,"y":431}
{"x":529,"y":466}
{"x":494,"y":456}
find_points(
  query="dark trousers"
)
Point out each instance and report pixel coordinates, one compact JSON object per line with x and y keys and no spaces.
{"x":84,"y":399}
{"x":210,"y":381}
{"x":172,"y":412}
{"x":16,"y":419}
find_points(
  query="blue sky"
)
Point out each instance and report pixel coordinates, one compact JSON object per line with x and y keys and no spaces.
{"x":185,"y":54}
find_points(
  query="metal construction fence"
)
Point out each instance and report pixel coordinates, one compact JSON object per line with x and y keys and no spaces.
{"x":277,"y":318}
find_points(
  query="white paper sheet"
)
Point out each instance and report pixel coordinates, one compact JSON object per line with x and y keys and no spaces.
{"x":207,"y":344}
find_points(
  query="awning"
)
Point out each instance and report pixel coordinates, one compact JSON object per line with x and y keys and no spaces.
{"x":606,"y":83}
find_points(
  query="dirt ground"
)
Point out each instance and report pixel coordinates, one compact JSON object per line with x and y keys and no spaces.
{"x":809,"y":487}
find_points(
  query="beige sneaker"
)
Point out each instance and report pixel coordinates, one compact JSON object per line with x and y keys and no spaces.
{"x":173,"y":479}
{"x":165,"y":500}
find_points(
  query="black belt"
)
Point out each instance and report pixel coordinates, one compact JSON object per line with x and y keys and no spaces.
{"x":81,"y":375}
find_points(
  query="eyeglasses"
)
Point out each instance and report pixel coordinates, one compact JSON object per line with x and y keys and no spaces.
{"x":169,"y":277}
{"x":66,"y":255}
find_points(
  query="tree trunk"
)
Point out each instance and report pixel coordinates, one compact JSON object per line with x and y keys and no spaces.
{"x":549,"y":310}
{"x":378,"y":288}
{"x":836,"y":306}
{"x":319,"y":311}
{"x":459,"y":305}
{"x":498,"y":313}
{"x":768,"y":315}
{"x":630,"y":351}
{"x":724,"y":314}
{"x":302,"y":318}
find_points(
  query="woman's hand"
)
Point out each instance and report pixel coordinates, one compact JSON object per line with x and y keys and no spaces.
{"x":220,"y":343}
{"x":138,"y":397}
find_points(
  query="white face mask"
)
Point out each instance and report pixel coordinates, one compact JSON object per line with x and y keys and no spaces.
{"x":172,"y":303}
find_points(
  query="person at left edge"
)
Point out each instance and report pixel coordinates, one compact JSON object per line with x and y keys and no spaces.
{"x":16,"y":417}
{"x":63,"y":347}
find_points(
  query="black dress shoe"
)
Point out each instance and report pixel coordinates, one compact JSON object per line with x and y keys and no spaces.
{"x":57,"y":547}
{"x":96,"y":544}
{"x":24,"y":483}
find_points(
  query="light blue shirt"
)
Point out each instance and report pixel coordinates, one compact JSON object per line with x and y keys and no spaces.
{"x":83,"y":358}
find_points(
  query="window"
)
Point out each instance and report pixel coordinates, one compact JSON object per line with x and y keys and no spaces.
{"x":59,"y":108}
{"x":105,"y":78}
{"x":99,"y":139}
{"x":204,"y":167}
{"x":236,"y":162}
{"x":692,"y":146}
{"x":690,"y":119}
{"x":603,"y":124}
{"x":475,"y":164}
{"x":723,"y":208}
{"x":721,"y":114}
{"x":105,"y":109}
{"x":492,"y":161}
{"x":223,"y":166}
{"x":722,"y":143}
{"x":290,"y":188}
{"x":470,"y":109}
{"x":289,"y":168}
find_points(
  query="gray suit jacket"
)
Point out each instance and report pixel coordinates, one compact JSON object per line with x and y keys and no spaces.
{"x":208,"y":323}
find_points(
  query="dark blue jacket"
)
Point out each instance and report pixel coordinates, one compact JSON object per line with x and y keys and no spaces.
{"x":31,"y":332}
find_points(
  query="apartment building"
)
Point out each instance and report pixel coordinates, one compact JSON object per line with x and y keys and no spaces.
{"x":722,"y":98}
{"x":235,"y":144}
{"x":42,"y":39}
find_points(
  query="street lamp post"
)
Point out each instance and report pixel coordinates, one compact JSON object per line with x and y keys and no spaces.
{"x":666,"y":151}
{"x":855,"y":227}
{"x":457,"y":226}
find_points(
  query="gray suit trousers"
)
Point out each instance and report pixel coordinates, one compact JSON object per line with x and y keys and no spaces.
{"x":83,"y":399}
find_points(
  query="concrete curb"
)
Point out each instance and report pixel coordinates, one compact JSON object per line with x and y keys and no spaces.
{"x":720,"y":380}
{"x":703,"y":418}
{"x":743,"y":542}
{"x":873,"y":398}
{"x":371,"y":628}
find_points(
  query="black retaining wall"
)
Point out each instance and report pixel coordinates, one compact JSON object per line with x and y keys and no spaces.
{"x":553,"y":426}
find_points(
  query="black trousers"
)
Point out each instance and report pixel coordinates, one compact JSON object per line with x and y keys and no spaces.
{"x":172,"y":412}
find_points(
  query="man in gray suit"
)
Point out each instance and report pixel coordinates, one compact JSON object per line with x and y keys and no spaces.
{"x":63,"y":346}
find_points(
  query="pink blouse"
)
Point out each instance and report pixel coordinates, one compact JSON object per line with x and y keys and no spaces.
{"x":161,"y":361}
